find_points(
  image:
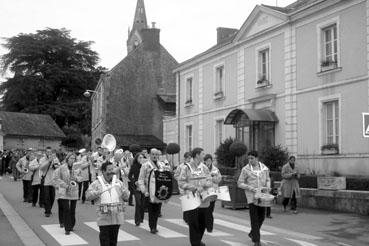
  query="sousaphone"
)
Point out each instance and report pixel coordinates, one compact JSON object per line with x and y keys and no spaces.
{"x":109,"y":142}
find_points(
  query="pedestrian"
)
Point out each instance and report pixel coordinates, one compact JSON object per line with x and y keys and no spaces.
{"x":177,"y":172}
{"x":49,"y":163}
{"x":290,"y":185}
{"x":34,"y":166}
{"x":254,"y":178}
{"x":133,"y":175}
{"x":65,"y":180}
{"x":13,"y":161}
{"x":84,"y":165}
{"x":109,"y":194}
{"x":195,"y":177}
{"x":144,"y":178}
{"x":26,"y":174}
{"x":216,"y":177}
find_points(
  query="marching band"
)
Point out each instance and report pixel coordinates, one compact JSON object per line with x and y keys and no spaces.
{"x":110,"y":175}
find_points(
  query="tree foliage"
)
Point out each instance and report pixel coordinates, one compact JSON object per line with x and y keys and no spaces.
{"x":51,"y":70}
{"x":274,"y":157}
{"x":223,"y":154}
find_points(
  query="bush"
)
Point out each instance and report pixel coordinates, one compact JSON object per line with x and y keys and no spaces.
{"x":223,"y":154}
{"x":274,"y":157}
{"x":238,"y":149}
{"x":173,"y":148}
{"x":134,"y":148}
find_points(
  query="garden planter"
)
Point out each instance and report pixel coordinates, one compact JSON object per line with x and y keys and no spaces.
{"x":331,"y":183}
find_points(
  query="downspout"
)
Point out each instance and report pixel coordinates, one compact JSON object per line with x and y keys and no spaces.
{"x":178,"y":113}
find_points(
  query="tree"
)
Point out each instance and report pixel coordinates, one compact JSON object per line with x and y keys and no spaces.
{"x":51,"y":70}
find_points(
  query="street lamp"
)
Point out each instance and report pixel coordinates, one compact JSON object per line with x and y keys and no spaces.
{"x":87,"y":93}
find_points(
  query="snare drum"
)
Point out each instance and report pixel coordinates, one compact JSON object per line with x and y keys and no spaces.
{"x":190,"y":201}
{"x":209,"y":195}
{"x":111,"y":208}
{"x":263,"y":200}
{"x":223,"y":193}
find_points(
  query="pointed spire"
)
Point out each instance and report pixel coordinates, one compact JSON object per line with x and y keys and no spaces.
{"x":140,"y":20}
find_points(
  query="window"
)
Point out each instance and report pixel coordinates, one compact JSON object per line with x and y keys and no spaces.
{"x":263,"y":67}
{"x":219,"y":125}
{"x":189,"y":90}
{"x":219,"y":81}
{"x":189,"y":137}
{"x":330,"y":46}
{"x":331,"y":122}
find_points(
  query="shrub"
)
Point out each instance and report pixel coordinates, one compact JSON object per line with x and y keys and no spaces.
{"x":173,"y":148}
{"x":223,"y":154}
{"x":134,"y":148}
{"x":238,"y":149}
{"x":274,"y":157}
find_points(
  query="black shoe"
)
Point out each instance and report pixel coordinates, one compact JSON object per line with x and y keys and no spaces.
{"x":210,"y":230}
{"x":202,"y":244}
{"x":61,"y":225}
{"x":269,"y":217}
{"x":47,"y":215}
{"x":137,"y":224}
{"x":142,"y":221}
{"x":160,"y":215}
{"x":67,"y":232}
{"x":33,"y":204}
{"x":92,"y":203}
{"x":250,"y":235}
{"x":153,"y":231}
{"x":83,"y":202}
{"x":130,"y":204}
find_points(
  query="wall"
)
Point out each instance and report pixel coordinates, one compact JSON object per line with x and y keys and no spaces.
{"x":25,"y":143}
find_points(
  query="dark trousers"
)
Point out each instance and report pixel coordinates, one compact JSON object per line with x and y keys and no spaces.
{"x":49,"y":197}
{"x":268,"y":211}
{"x":210,"y":217}
{"x":82,"y":188}
{"x":154,"y":210}
{"x":139,"y":206}
{"x":109,"y":235}
{"x":2,"y":167}
{"x":257,"y":216}
{"x":132,"y":191}
{"x":293,"y":202}
{"x":69,"y":213}
{"x":27,"y":190}
{"x":196,"y":222}
{"x":37,"y":194}
{"x":60,"y":212}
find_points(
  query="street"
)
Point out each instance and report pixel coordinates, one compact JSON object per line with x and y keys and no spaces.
{"x":308,"y":228}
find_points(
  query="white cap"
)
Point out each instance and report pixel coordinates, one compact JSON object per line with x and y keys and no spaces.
{"x":119,"y":151}
{"x":82,"y":151}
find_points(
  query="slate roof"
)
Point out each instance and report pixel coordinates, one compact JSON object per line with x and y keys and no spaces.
{"x":293,"y":6}
{"x":30,"y":125}
{"x":148,"y":141}
{"x":167,"y":98}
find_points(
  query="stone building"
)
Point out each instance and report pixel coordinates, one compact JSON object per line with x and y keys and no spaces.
{"x":295,"y":76}
{"x":133,"y":98}
{"x":23,"y":131}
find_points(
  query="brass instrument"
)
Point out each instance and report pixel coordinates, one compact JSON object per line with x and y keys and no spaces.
{"x":109,"y":142}
{"x":25,"y":170}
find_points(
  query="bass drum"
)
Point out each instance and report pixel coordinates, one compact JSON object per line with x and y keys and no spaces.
{"x":160,"y":186}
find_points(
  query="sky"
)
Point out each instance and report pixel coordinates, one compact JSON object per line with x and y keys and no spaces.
{"x":188,"y":27}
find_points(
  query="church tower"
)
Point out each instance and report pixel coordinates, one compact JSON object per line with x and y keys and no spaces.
{"x":139,"y":23}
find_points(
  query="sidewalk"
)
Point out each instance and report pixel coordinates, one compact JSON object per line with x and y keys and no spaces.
{"x":8,"y":236}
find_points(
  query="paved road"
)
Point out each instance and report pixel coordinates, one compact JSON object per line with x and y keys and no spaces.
{"x":308,"y":228}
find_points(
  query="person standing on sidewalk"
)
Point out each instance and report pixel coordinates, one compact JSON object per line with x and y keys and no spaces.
{"x":13,"y":162}
{"x":216,"y":177}
{"x":254,"y":178}
{"x":133,"y":175}
{"x":23,"y":168}
{"x":65,"y":180}
{"x":49,"y":164}
{"x":85,"y":171}
{"x":290,"y":185}
{"x":109,"y":194}
{"x":34,"y":166}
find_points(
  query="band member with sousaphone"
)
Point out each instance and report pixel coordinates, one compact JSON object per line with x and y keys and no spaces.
{"x":26,"y":174}
{"x":109,"y":194}
{"x":216,"y":177}
{"x":65,"y":180}
{"x":155,"y":182}
{"x":49,"y":163}
{"x":255,"y":180}
{"x":194,"y":178}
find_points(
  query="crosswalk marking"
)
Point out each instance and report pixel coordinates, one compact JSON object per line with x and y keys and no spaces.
{"x":302,"y":243}
{"x":122,"y":235}
{"x":234,"y":243}
{"x":238,"y":227}
{"x":215,"y":233}
{"x":59,"y":235}
{"x":163,"y":232}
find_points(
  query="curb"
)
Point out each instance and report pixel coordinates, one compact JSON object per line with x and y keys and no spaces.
{"x":24,"y":232}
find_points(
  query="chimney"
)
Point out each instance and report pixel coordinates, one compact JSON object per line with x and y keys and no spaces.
{"x":151,"y":39}
{"x":223,"y":33}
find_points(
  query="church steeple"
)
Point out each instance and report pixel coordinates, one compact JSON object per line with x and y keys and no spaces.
{"x":139,"y":23}
{"x":140,"y":20}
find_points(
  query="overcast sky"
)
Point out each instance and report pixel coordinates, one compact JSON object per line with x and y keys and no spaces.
{"x":188,"y":27}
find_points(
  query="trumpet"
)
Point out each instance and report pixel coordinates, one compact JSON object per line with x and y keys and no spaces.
{"x":73,"y":183}
{"x":25,"y":170}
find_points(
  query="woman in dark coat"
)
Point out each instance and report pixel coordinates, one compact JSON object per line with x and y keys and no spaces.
{"x":290,"y":184}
